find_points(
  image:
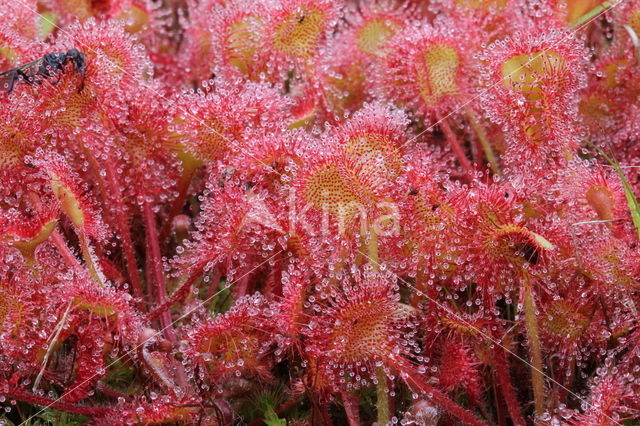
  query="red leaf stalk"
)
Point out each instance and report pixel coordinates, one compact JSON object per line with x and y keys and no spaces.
{"x":124,"y":232}
{"x":508,"y":392}
{"x":178,"y":202}
{"x":464,"y":415}
{"x":457,"y":149}
{"x":23,"y":396}
{"x":154,"y":270}
{"x":351,"y":408}
{"x":178,"y":296}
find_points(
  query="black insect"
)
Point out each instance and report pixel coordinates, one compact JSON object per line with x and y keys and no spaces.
{"x":49,"y":66}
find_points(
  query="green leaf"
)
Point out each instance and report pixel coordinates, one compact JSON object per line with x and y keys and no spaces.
{"x":632,"y":201}
{"x":46,"y":25}
{"x":272,"y":419}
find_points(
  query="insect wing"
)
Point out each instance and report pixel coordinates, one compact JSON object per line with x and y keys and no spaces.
{"x":30,"y":69}
{"x":7,"y":80}
{"x":24,"y":73}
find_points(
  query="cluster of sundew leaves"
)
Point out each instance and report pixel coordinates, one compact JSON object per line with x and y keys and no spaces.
{"x":320,"y":212}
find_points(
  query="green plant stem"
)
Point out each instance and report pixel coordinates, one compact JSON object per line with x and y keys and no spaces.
{"x":484,"y":140}
{"x":382,"y":396}
{"x":592,"y":13}
{"x":537,"y":376}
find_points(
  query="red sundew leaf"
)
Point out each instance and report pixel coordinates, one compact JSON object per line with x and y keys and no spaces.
{"x":350,"y":58}
{"x":571,"y":11}
{"x":73,"y":196}
{"x":295,"y":30}
{"x":66,"y":9}
{"x":499,"y":245}
{"x":625,"y":15}
{"x":344,"y":81}
{"x":89,"y":366}
{"x":496,"y":18}
{"x":234,"y":232}
{"x":531,"y":81}
{"x":26,"y":319}
{"x":601,"y":113}
{"x":18,"y":43}
{"x":112,"y":307}
{"x":232,"y":48}
{"x":20,"y":135}
{"x":25,"y":23}
{"x":208,"y":125}
{"x":27,"y":231}
{"x":331,"y":187}
{"x":429,"y":219}
{"x":361,"y":328}
{"x":612,"y":396}
{"x":143,"y":152}
{"x":427,"y":69}
{"x":116,"y":67}
{"x":312,"y":103}
{"x":608,"y":260}
{"x":116,"y":64}
{"x":372,"y":25}
{"x":233,"y":343}
{"x":459,"y":368}
{"x":141,"y":17}
{"x":339,"y":184}
{"x":572,"y":322}
{"x":67,"y":12}
{"x":167,"y":410}
{"x":14,"y":310}
{"x":374,"y":139}
{"x":565,"y":321}
{"x":269,"y":160}
{"x":593,"y":194}
{"x":607,"y":105}
{"x":268,"y":169}
{"x":289,"y":312}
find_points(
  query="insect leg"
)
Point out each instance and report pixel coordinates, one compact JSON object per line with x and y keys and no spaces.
{"x":27,"y":78}
{"x":13,"y":77}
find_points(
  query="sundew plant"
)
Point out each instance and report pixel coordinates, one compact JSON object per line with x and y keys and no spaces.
{"x":320,"y":212}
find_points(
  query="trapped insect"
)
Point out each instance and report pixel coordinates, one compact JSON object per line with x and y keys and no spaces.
{"x":50,"y":65}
